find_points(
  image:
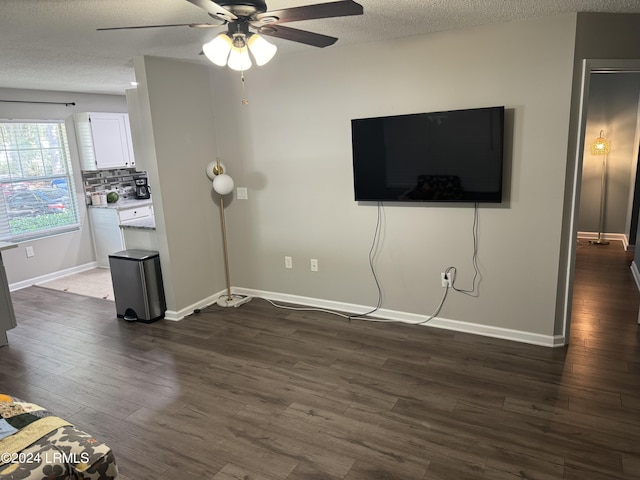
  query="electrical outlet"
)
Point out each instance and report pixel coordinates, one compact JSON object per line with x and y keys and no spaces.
{"x":446,"y":280}
{"x":242,"y":194}
{"x":29,"y":251}
{"x":313,"y":264}
{"x":288,"y":262}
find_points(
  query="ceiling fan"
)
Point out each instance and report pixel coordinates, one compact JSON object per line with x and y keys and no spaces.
{"x":241,"y":16}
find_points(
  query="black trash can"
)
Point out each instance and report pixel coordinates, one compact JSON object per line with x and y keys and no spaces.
{"x":137,"y":285}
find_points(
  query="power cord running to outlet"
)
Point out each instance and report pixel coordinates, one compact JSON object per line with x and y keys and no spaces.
{"x":451,"y":272}
{"x":372,"y":256}
{"x":373,"y":250}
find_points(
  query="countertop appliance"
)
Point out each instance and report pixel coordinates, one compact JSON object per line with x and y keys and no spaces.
{"x":142,"y":189}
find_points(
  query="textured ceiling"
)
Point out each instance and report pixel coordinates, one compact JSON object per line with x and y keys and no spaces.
{"x":54,"y":45}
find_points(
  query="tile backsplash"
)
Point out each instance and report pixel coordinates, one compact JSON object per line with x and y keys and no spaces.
{"x":121,"y":180}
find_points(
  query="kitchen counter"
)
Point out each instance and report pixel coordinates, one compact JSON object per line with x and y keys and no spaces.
{"x":110,"y":221}
{"x":7,"y":245}
{"x":125,"y":203}
{"x":147,"y":223}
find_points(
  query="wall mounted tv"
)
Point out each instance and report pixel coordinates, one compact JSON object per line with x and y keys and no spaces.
{"x":453,"y":156}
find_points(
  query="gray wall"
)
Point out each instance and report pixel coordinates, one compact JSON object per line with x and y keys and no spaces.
{"x":613,"y":107}
{"x":291,"y":147}
{"x":175,"y":125}
{"x":69,"y":250}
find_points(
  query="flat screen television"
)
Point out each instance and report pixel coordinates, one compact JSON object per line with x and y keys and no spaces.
{"x":454,"y":156}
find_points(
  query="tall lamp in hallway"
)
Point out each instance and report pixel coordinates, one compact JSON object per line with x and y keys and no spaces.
{"x":223,"y":185}
{"x":601,"y":147}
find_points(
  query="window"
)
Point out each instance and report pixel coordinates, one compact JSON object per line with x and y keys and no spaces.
{"x":38,"y":196}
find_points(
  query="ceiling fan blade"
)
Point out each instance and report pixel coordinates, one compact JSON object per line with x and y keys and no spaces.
{"x":214,"y":9}
{"x":296,"y":35}
{"x":341,"y":8}
{"x":137,"y":27}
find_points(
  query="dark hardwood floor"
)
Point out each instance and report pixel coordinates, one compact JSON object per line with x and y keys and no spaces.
{"x":259,"y":393}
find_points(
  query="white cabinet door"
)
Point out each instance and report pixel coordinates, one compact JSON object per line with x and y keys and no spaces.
{"x":127,"y":127}
{"x":107,"y":235}
{"x":104,"y":140}
{"x":110,"y":142}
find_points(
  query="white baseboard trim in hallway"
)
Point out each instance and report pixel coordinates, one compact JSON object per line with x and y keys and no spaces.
{"x":607,"y":236}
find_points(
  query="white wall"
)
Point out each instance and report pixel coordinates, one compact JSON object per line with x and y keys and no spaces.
{"x":291,"y":147}
{"x":69,"y":250}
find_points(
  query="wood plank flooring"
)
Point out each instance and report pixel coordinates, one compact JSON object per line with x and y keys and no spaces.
{"x":259,"y":393}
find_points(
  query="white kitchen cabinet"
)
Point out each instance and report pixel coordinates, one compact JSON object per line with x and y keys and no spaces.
{"x":107,"y":234}
{"x":107,"y":237}
{"x":133,"y":213}
{"x":104,"y":140}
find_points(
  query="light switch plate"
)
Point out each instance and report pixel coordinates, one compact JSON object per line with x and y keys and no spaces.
{"x":241,"y":193}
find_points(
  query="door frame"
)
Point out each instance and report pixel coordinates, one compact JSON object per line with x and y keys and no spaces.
{"x":589,"y":66}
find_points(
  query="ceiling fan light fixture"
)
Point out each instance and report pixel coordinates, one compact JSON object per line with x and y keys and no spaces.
{"x":261,"y":50}
{"x":218,"y":49}
{"x":239,"y":59}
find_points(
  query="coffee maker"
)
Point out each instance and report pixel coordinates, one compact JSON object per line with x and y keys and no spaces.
{"x":142,"y":189}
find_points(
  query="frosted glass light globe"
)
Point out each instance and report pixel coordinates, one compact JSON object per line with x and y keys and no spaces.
{"x":217,"y":50}
{"x":223,"y":184}
{"x":239,"y":59}
{"x":262,"y":50}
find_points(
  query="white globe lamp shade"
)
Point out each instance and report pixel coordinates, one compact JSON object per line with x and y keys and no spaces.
{"x":223,"y":184}
{"x":217,"y":50}
{"x":211,"y":169}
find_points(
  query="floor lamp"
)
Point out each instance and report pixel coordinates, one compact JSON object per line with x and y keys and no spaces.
{"x":223,"y":185}
{"x":601,"y":147}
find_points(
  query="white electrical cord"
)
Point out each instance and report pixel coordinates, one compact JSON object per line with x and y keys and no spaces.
{"x":451,"y":272}
{"x":372,"y":254}
{"x":362,"y":316}
{"x":366,"y":316}
{"x":305,"y":309}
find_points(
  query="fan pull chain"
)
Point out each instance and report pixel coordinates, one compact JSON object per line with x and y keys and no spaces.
{"x":245,"y":102}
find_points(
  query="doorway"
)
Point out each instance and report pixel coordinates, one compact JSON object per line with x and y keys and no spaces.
{"x":608,"y":181}
{"x":590,"y":67}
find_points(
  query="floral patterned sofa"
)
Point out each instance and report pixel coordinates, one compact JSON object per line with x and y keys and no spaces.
{"x":34,"y":444}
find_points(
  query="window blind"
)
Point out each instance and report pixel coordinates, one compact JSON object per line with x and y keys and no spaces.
{"x":37,"y":193}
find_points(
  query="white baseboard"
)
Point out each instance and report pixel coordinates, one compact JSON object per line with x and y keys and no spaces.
{"x":52,"y":276}
{"x":404,"y":317}
{"x":177,"y":315}
{"x":622,"y":237}
{"x":350,"y":308}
